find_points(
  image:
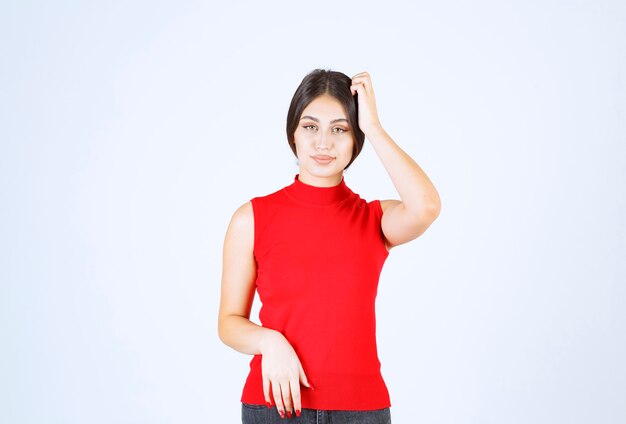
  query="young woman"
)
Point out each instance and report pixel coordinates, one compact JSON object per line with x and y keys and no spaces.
{"x":314,"y":251}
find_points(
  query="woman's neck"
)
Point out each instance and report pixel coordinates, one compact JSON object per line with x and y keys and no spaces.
{"x":320,"y":181}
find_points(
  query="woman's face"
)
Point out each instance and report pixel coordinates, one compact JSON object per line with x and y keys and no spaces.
{"x":323,"y":139}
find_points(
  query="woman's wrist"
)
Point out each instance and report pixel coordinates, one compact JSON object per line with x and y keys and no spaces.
{"x":373,"y":130}
{"x":268,"y":338}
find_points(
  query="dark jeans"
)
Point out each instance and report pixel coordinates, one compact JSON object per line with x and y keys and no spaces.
{"x":261,"y":414}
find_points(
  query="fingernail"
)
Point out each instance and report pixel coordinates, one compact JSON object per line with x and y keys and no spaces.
{"x":282,"y":413}
{"x":311,"y":386}
{"x":268,"y":405}
{"x":288,"y":414}
{"x":297,"y":412}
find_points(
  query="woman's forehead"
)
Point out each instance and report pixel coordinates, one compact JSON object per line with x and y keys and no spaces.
{"x":325,"y":107}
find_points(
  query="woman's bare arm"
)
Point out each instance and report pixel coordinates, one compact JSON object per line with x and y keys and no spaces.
{"x":281,"y":368}
{"x":238,"y":287}
{"x":406,"y":219}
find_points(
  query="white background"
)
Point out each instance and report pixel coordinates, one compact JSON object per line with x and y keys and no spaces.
{"x":131,"y":131}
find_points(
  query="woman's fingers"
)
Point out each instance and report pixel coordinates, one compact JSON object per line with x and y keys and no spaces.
{"x":286,"y":390}
{"x":282,"y":370}
{"x":361,"y":85}
{"x":354,"y":88}
{"x":294,"y":385}
{"x":364,"y":79}
{"x":361,"y":75}
{"x":266,"y":390}
{"x":302,"y":376}
{"x":278,"y":399}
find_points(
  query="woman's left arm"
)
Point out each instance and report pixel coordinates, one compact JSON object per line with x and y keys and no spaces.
{"x":406,"y":219}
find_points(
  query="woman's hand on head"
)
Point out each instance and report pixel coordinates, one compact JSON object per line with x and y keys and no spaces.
{"x":282,"y":373}
{"x":368,"y":115}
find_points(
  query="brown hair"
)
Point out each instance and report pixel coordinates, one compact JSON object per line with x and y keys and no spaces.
{"x":317,"y":83}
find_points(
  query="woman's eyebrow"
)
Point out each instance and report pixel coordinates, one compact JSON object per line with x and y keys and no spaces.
{"x":317,"y":120}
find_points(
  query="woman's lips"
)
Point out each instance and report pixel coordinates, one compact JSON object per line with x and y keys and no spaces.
{"x":323,"y":159}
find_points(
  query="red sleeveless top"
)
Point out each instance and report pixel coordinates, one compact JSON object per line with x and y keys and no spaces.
{"x":319,"y":254}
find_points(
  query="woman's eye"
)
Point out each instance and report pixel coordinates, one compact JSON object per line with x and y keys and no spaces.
{"x":336,"y":130}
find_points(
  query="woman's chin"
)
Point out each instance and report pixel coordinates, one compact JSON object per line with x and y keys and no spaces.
{"x":324,"y":171}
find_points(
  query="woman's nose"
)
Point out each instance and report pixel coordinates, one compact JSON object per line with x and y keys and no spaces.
{"x":322,"y":142}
